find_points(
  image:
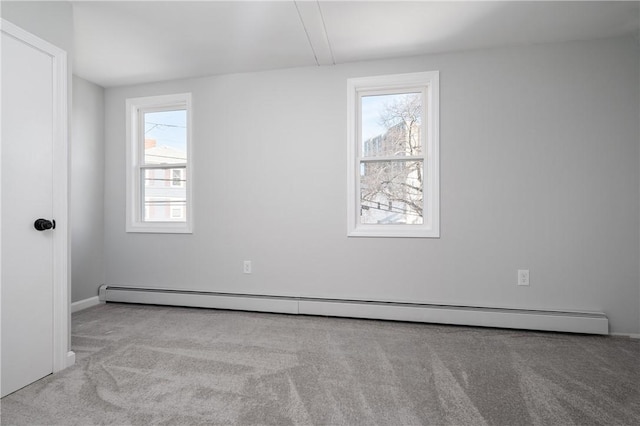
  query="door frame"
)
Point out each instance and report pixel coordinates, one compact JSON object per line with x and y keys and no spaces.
{"x":62,"y":356}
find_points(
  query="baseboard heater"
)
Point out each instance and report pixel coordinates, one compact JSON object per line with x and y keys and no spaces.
{"x":572,"y":322}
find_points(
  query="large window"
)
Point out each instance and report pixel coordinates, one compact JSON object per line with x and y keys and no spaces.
{"x":159,"y":168}
{"x":393,"y":182}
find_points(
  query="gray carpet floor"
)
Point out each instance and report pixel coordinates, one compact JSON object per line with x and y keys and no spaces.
{"x":164,"y":365}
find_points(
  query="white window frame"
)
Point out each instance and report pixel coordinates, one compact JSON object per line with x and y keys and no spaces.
{"x":135,"y":107}
{"x":429,"y":84}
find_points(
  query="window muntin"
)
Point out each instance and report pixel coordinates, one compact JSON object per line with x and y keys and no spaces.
{"x":393,"y":164}
{"x":159,"y":173}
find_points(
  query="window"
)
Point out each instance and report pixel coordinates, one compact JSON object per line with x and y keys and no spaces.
{"x":159,"y":168}
{"x":393,"y":141}
{"x":176,"y":177}
{"x":177,"y":212}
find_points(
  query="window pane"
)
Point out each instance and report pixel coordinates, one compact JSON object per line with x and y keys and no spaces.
{"x":391,"y":192}
{"x":391,"y":125}
{"x":165,"y":137}
{"x":163,"y":199}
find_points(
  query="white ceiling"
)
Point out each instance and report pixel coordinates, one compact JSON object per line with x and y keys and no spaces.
{"x":129,"y":42}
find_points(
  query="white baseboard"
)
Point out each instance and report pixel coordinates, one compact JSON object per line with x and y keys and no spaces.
{"x":202,"y":300}
{"x":84,"y":304}
{"x":71,"y":359}
{"x":629,"y":335}
{"x":572,"y":322}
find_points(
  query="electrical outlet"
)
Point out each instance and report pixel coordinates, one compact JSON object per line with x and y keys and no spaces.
{"x":246,"y":267}
{"x":523,"y":277}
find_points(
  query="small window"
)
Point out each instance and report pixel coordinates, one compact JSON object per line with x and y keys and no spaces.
{"x":393,"y":182}
{"x":176,"y":178}
{"x":177,"y":212}
{"x":159,"y":168}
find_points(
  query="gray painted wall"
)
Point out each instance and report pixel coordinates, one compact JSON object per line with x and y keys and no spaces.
{"x":50,"y":20}
{"x":539,"y":170}
{"x":87,"y":190}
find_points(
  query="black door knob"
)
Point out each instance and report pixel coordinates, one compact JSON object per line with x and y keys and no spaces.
{"x":44,"y":224}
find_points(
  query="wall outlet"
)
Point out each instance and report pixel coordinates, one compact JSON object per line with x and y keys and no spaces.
{"x":246,"y":267}
{"x":523,"y":277}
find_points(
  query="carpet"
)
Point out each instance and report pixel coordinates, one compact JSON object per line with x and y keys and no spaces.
{"x":142,"y":365}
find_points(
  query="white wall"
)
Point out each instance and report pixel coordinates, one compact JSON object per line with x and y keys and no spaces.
{"x":539,"y":170}
{"x":87,"y":190}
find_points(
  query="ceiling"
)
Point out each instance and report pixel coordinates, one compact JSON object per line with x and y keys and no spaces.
{"x":130,"y":42}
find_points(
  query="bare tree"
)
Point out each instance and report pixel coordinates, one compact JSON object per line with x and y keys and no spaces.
{"x":396,"y":186}
{"x":402,"y":117}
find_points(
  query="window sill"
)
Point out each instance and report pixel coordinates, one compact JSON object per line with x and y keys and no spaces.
{"x":394,"y":232}
{"x":160,"y":228}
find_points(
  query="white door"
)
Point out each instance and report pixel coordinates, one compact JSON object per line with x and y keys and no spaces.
{"x":30,"y":136}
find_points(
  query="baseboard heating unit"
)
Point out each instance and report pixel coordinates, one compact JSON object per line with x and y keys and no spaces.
{"x":572,"y":322}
